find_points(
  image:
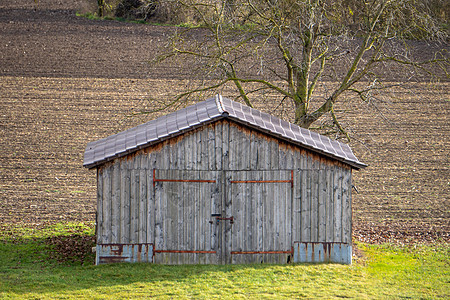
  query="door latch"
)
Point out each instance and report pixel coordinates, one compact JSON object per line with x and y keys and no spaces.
{"x":219,"y":218}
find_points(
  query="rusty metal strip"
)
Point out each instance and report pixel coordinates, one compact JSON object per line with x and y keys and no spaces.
{"x":112,"y":259}
{"x":184,"y":251}
{"x":258,"y":181}
{"x":178,"y":180}
{"x":261,"y":252}
{"x":268,"y":181}
{"x":183,"y":180}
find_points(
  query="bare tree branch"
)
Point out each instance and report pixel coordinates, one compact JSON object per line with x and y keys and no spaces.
{"x":306,"y":44}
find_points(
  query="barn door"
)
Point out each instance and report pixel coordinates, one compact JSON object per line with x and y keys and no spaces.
{"x":186,"y":231}
{"x":260,"y":203}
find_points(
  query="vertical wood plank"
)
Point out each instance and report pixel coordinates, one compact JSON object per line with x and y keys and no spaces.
{"x":330,"y":206}
{"x":237,"y":213}
{"x":269,"y":226}
{"x":254,"y":152}
{"x":163,"y":211}
{"x":226,"y":209}
{"x":201,"y":213}
{"x":218,"y":131}
{"x":217,"y":234}
{"x":322,"y":205}
{"x":134,"y":204}
{"x":232,"y":155}
{"x":170,"y":238}
{"x":167,"y":164}
{"x":180,"y":149}
{"x":100,"y":206}
{"x":337,"y":205}
{"x":200,"y":151}
{"x":143,"y":187}
{"x":171,"y":157}
{"x":244,"y":148}
{"x":346,"y":209}
{"x":208,"y":199}
{"x":212,"y":190}
{"x":188,"y":152}
{"x":194,"y":223}
{"x":211,"y":153}
{"x":247,"y":234}
{"x":181,"y":217}
{"x":115,"y":204}
{"x":314,"y":205}
{"x":290,"y":159}
{"x":225,"y":146}
{"x":274,"y":155}
{"x":106,"y":232}
{"x":259,"y":152}
{"x":288,"y":211}
{"x":296,"y":203}
{"x":159,"y":199}
{"x":194,"y":152}
{"x":187,"y":216}
{"x":171,"y":213}
{"x":306,"y":213}
{"x":283,"y":159}
{"x":198,"y":220}
{"x":267,"y":162}
{"x":259,"y":220}
{"x":277,"y":203}
{"x":125,"y":203}
{"x":150,"y":200}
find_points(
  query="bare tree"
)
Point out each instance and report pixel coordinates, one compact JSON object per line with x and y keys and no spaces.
{"x":101,"y":8}
{"x":290,"y":47}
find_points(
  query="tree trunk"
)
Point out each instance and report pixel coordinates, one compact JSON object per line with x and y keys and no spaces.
{"x":305,"y":120}
{"x":101,"y":7}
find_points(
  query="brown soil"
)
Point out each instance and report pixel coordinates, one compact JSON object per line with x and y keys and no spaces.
{"x":67,"y":80}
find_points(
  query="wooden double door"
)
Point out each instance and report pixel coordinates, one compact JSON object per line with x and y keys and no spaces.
{"x":222,"y":217}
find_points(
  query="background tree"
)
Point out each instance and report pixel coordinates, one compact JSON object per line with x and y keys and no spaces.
{"x":101,"y":7}
{"x":282,"y":50}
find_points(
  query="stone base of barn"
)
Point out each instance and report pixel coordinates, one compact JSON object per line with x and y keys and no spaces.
{"x":302,"y":252}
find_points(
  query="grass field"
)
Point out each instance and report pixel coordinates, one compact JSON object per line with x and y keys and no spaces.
{"x":30,"y":269}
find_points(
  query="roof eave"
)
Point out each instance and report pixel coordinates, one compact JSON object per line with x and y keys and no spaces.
{"x":351,"y":163}
{"x":129,"y":151}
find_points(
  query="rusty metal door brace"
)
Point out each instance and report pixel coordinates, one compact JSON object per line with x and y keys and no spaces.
{"x":184,"y":251}
{"x":263,"y":252}
{"x":155,"y":180}
{"x":267,"y":181}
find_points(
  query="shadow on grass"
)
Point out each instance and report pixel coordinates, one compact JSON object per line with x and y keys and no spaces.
{"x":65,"y":264}
{"x":29,"y":268}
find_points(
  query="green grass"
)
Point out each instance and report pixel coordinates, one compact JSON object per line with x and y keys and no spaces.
{"x":28,"y":271}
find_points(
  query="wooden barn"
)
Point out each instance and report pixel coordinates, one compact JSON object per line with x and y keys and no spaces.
{"x":221,"y":183}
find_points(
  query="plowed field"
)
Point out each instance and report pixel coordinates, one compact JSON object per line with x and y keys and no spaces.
{"x":67,"y":80}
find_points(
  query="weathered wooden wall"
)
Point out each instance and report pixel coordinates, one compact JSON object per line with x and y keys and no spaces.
{"x":134,"y":209}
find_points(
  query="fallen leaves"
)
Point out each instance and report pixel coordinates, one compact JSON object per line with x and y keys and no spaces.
{"x":72,"y":248}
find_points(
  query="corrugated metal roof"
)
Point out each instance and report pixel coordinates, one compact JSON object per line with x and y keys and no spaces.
{"x":209,"y":111}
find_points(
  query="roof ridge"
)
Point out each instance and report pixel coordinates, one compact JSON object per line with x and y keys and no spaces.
{"x":220,"y":107}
